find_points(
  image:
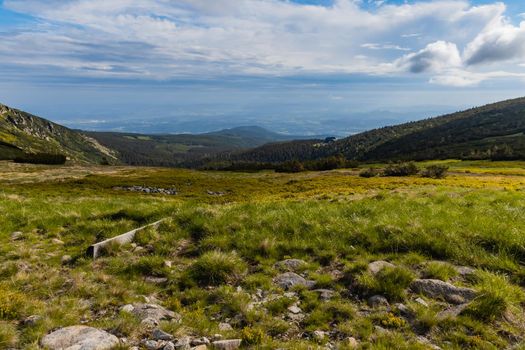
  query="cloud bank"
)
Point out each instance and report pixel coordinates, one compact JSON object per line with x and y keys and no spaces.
{"x":452,"y":42}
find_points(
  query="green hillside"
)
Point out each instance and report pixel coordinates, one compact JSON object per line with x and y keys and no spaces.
{"x":494,"y":131}
{"x":22,"y":132}
{"x":174,"y":150}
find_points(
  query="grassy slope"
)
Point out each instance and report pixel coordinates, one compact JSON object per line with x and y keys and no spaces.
{"x":36,"y":135}
{"x":333,"y":220}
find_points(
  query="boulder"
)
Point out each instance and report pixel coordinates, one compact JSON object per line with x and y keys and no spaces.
{"x":225,"y":327}
{"x":159,"y":334}
{"x":230,"y":344}
{"x":290,"y":264}
{"x":376,"y":266}
{"x":378,"y":301}
{"x":79,"y":337}
{"x":437,"y":289}
{"x":153,"y":312}
{"x":289,"y":280}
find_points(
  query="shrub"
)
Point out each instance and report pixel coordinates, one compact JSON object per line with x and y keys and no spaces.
{"x":435,"y":171}
{"x":42,"y":158}
{"x":496,"y":296}
{"x":389,"y":282}
{"x":8,"y":335}
{"x":439,"y":270}
{"x":328,"y":313}
{"x":389,"y":320}
{"x":370,"y":172}
{"x":292,"y":166}
{"x":216,"y":268}
{"x":401,"y":169}
{"x":12,"y":304}
{"x":252,"y":336}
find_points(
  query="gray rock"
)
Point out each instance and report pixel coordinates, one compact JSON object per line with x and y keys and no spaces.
{"x":81,"y":338}
{"x":421,"y":302}
{"x":16,"y":236}
{"x":438,"y":289}
{"x":31,"y":320}
{"x":230,"y":344}
{"x":319,"y":335}
{"x":154,"y":312}
{"x":376,"y":266}
{"x":404,"y":311}
{"x":465,"y":271}
{"x":57,"y":241}
{"x":159,"y":334}
{"x":151,"y":344}
{"x":223,"y":326}
{"x":294,"y":309}
{"x":453,"y":311}
{"x":66,"y":259}
{"x":378,"y":301}
{"x":156,"y":280}
{"x":127,"y":308}
{"x":290,"y":264}
{"x":325,"y":294}
{"x":351,"y":342}
{"x":183,"y":343}
{"x":169,"y":346}
{"x":200,"y":341}
{"x":289,"y":280}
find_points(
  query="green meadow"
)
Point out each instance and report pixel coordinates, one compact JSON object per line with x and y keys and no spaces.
{"x":215,"y":255}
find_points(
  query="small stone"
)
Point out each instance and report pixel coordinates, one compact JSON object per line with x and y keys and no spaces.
{"x":127,"y":308}
{"x":325,"y":294}
{"x":159,"y":334}
{"x":289,"y":280}
{"x":169,"y":346}
{"x":156,"y":280}
{"x":66,"y":259}
{"x":294,"y":309}
{"x":168,"y":263}
{"x":319,"y":335}
{"x":230,"y":344}
{"x":57,"y":241}
{"x":31,"y":320}
{"x":290,"y":264}
{"x":216,"y":337}
{"x":433,"y":288}
{"x":18,"y":235}
{"x":150,"y":344}
{"x":351,"y":342}
{"x":421,"y":302}
{"x":200,"y":341}
{"x":465,"y":271}
{"x":153,"y":311}
{"x":378,"y":301}
{"x":223,"y":326}
{"x":200,"y":347}
{"x":149,"y":322}
{"x":183,"y":343}
{"x":376,"y":266}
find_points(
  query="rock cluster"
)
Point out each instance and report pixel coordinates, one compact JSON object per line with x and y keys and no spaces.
{"x":147,"y":189}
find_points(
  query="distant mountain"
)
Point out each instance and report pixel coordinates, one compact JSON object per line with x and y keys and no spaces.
{"x":22,"y":133}
{"x":175,"y":150}
{"x":494,"y":131}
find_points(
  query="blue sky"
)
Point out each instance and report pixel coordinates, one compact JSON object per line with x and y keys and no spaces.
{"x":309,"y":66}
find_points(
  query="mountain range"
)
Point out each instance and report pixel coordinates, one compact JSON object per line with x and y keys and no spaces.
{"x":494,"y":131}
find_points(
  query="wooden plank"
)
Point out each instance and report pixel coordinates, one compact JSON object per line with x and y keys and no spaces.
{"x":95,"y":249}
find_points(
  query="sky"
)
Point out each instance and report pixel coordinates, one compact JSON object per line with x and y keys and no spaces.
{"x":294,"y":66}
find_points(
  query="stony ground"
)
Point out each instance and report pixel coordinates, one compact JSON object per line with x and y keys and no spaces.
{"x":261,"y":260}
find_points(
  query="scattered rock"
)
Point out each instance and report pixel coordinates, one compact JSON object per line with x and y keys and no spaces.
{"x":66,"y":260}
{"x":31,"y":320}
{"x":223,"y":326}
{"x":439,"y":289}
{"x":404,"y":311}
{"x":289,"y":280}
{"x":127,"y":308}
{"x":57,"y":241}
{"x":290,"y":264}
{"x":212,"y":193}
{"x":453,"y":311}
{"x":169,"y":346}
{"x":200,"y":341}
{"x":183,"y":343}
{"x":16,"y":236}
{"x":200,"y":347}
{"x":230,"y":344}
{"x":376,"y":266}
{"x":168,"y":263}
{"x":294,"y":309}
{"x":465,"y":271}
{"x":156,"y":280}
{"x":80,"y":337}
{"x":150,"y":344}
{"x":351,"y":342}
{"x":159,"y":334}
{"x":421,"y":302}
{"x":153,"y":311}
{"x":145,"y":189}
{"x":319,"y":335}
{"x":378,"y":301}
{"x":325,"y":294}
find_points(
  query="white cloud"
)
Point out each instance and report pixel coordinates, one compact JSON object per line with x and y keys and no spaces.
{"x":162,"y":39}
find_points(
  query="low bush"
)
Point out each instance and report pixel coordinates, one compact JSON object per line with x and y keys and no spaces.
{"x":216,"y":268}
{"x":252,"y":336}
{"x":42,"y":158}
{"x":8,"y":335}
{"x":370,"y":172}
{"x":292,"y":166}
{"x":435,"y":171}
{"x":329,"y":313}
{"x":12,"y":304}
{"x":401,"y":169}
